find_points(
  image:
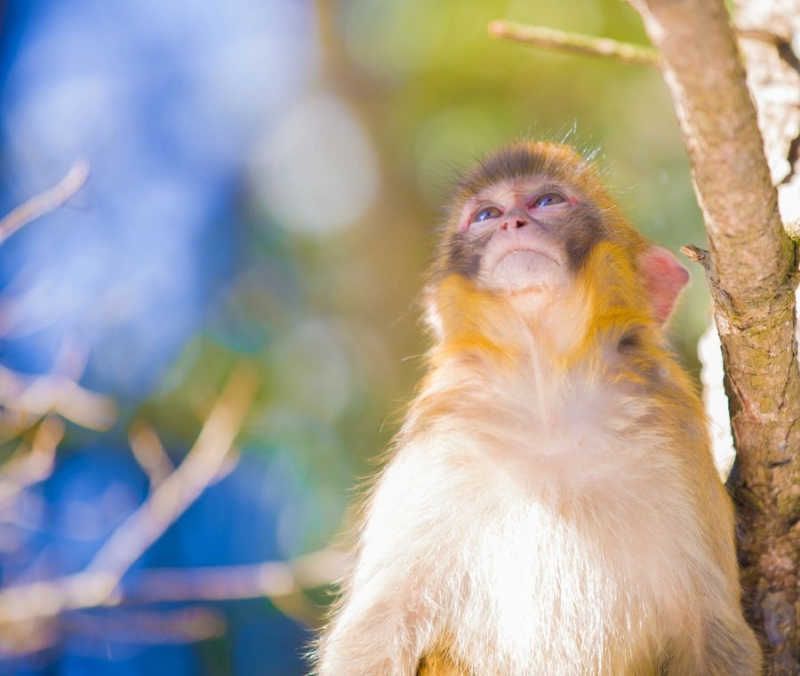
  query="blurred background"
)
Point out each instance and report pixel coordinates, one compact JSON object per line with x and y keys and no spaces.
{"x":266,"y":178}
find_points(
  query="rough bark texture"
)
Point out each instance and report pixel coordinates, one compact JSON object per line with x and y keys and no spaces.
{"x":752,"y":273}
{"x":767,"y":30}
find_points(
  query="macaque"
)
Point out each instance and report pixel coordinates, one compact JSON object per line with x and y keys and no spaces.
{"x":550,"y":506}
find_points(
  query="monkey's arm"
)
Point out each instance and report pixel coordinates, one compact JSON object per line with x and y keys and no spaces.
{"x":388,"y":617}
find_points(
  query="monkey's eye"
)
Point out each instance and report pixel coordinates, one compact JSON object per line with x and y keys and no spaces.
{"x":548,"y":200}
{"x":486,"y":213}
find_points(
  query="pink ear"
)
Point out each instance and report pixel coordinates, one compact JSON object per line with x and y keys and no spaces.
{"x":664,"y":279}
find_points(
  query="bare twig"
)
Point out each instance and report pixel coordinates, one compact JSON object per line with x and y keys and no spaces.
{"x":282,"y":582}
{"x":184,"y":485}
{"x":97,"y":584}
{"x":272,"y":578}
{"x":574,"y":43}
{"x":23,"y":470}
{"x":139,"y":626}
{"x":276,"y":580}
{"x":150,"y":453}
{"x":763,"y":36}
{"x":184,"y":625}
{"x":47,"y":201}
{"x":40,"y":395}
{"x":696,"y":254}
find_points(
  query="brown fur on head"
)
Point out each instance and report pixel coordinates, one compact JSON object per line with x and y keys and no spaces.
{"x":598,"y":217}
{"x":582,"y":237}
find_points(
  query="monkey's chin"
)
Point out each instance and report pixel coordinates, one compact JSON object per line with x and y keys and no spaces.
{"x":523,"y":270}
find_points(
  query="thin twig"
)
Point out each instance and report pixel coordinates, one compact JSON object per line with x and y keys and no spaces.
{"x":695,"y":253}
{"x":185,"y":484}
{"x":40,"y":395}
{"x":777,"y":31}
{"x":140,"y":626}
{"x":162,"y":627}
{"x":149,"y":453}
{"x":97,"y":584}
{"x":272,"y":579}
{"x":574,"y":43}
{"x":281,"y":582}
{"x":47,"y":201}
{"x":33,"y":466}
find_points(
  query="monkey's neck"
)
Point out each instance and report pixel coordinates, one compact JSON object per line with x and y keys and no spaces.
{"x":500,"y":332}
{"x":547,"y":350}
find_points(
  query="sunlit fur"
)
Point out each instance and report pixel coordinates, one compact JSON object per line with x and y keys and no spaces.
{"x":551,"y":506}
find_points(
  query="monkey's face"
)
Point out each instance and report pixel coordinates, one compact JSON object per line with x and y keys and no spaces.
{"x":522,"y":234}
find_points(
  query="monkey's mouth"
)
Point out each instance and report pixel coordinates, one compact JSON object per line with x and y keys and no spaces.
{"x":525,"y":255}
{"x":521,"y":267}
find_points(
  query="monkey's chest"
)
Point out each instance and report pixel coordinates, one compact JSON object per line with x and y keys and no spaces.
{"x":591,"y":441}
{"x":573,"y":571}
{"x":564,"y":586}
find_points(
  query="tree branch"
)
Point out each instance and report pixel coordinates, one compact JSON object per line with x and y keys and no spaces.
{"x":751,"y":267}
{"x":271,"y":578}
{"x":47,"y":201}
{"x":97,"y":584}
{"x":150,"y":453}
{"x":574,"y":43}
{"x":702,"y":69}
{"x":184,"y":485}
{"x":56,"y":393}
{"x":24,"y":469}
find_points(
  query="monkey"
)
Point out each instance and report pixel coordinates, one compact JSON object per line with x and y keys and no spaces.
{"x":550,"y":506}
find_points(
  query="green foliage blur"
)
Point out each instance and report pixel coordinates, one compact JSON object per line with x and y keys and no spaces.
{"x":342,"y":202}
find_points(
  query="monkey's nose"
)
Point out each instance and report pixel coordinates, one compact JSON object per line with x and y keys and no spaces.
{"x":513,"y":223}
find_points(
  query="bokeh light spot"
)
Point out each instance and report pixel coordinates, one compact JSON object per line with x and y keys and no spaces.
{"x":317,"y":171}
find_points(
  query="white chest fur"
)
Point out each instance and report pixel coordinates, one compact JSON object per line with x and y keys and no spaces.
{"x":561,"y":521}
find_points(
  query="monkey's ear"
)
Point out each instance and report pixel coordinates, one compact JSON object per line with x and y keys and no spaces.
{"x":664,"y":279}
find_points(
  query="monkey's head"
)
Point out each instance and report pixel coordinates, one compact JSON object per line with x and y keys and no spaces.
{"x":533,"y":220}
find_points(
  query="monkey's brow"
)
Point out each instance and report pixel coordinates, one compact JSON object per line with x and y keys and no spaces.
{"x":534,"y":183}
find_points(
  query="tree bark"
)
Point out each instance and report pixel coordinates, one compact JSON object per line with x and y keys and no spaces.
{"x":751,"y":269}
{"x":768,"y":29}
